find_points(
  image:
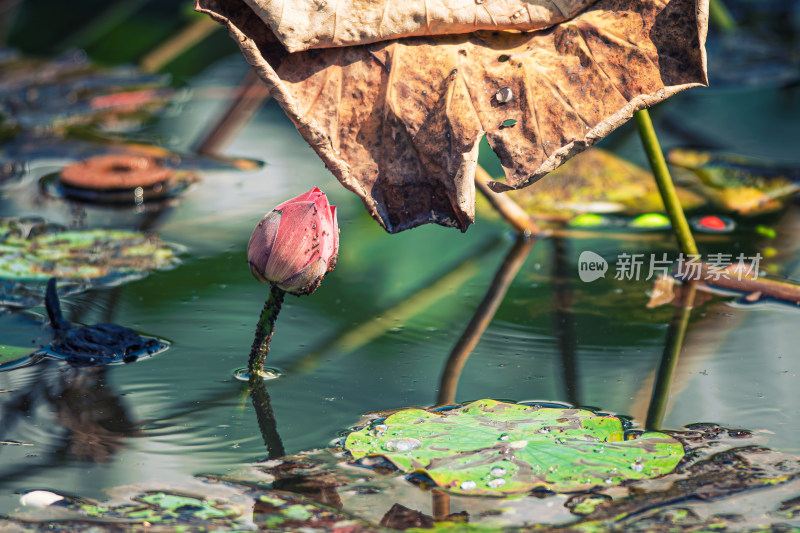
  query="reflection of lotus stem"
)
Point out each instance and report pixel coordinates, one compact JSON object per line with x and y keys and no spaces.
{"x":664,"y":181}
{"x":440,"y":502}
{"x":386,"y":319}
{"x":480,"y":321}
{"x":563,"y":317}
{"x":266,"y":419}
{"x":669,"y":359}
{"x":720,"y":16}
{"x":264,"y":331}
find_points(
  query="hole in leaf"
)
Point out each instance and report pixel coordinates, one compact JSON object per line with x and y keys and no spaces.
{"x":508,"y":123}
{"x":503,"y":58}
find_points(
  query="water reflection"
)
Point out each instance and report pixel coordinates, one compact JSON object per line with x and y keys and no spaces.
{"x":266,"y":420}
{"x":669,"y":360}
{"x":481,"y":319}
{"x":564,"y":318}
{"x":67,"y":412}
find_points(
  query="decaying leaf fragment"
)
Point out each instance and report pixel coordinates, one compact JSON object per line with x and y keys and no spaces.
{"x":304,"y":24}
{"x":398,"y":122}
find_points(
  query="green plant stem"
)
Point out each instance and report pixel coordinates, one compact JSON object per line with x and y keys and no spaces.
{"x":664,"y":181}
{"x":264,"y":331}
{"x":720,"y":16}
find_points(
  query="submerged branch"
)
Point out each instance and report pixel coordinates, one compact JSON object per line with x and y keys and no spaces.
{"x":508,"y":208}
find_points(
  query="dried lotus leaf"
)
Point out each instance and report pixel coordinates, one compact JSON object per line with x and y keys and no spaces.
{"x":306,"y":24}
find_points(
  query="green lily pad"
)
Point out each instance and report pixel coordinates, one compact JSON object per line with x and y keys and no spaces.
{"x":491,"y":447}
{"x":12,"y":353}
{"x":735,"y":183}
{"x":597,"y":181}
{"x":33,"y":252}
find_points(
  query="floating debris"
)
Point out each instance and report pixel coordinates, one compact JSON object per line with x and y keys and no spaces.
{"x":40,"y":498}
{"x":713,"y":224}
{"x":121,"y":178}
{"x":650,"y":221}
{"x":69,"y":91}
{"x":736,"y":183}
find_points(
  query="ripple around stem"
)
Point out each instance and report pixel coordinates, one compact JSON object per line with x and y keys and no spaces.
{"x":269,"y":373}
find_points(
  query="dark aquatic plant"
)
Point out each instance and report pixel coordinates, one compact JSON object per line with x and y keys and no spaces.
{"x":94,"y":345}
{"x":291,"y":249}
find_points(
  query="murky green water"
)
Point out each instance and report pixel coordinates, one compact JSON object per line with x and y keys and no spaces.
{"x":347,"y":349}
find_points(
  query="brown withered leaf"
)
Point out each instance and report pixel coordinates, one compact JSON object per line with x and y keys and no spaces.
{"x":304,"y":24}
{"x":399,"y":122}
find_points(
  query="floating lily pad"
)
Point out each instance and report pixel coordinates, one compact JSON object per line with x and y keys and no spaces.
{"x":12,"y":353}
{"x":31,"y":252}
{"x":319,"y":490}
{"x":596,"y":181}
{"x":88,"y":254}
{"x":490,"y":447}
{"x":736,"y":183}
{"x":53,"y":95}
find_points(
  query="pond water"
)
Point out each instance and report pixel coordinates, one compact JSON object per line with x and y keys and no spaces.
{"x":354,"y":346}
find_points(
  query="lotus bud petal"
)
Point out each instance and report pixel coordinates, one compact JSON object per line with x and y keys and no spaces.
{"x":296,"y":243}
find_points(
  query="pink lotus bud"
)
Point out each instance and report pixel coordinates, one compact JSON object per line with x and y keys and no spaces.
{"x":296,"y":244}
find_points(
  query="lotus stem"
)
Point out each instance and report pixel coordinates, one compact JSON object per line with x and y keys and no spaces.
{"x":508,"y":208}
{"x":249,"y":96}
{"x":720,"y":16}
{"x":264,"y":331}
{"x":184,"y":40}
{"x":664,"y":181}
{"x":669,"y":359}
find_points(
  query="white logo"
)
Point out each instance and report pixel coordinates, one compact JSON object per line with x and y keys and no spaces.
{"x":591,"y":266}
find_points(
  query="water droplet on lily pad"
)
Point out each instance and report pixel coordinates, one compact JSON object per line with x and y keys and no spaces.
{"x":468,"y":485}
{"x":497,"y":483}
{"x":545,"y":430}
{"x":637,"y":466}
{"x":454,"y":436}
{"x":405,"y":444}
